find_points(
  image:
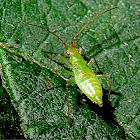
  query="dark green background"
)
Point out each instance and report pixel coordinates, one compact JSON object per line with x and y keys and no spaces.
{"x":26,"y":69}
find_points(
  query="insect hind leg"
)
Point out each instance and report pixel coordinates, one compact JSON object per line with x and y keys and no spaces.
{"x":93,"y":59}
{"x":67,"y":90}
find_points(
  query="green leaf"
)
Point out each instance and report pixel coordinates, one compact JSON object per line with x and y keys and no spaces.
{"x":26,"y":68}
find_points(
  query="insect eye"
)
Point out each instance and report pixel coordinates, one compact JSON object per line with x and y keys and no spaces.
{"x":68,"y":53}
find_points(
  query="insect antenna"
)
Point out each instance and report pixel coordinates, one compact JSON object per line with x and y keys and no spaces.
{"x":73,"y":43}
{"x":50,"y":33}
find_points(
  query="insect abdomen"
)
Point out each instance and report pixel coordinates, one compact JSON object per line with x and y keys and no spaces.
{"x":91,"y":87}
{"x":86,"y":79}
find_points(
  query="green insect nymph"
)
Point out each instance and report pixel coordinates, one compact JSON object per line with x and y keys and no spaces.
{"x":85,"y":78}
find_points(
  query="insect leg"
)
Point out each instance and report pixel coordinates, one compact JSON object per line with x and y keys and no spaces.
{"x":67,"y":71}
{"x":109,"y":77}
{"x":51,"y":80}
{"x":57,"y":73}
{"x":80,"y":50}
{"x":67,"y":90}
{"x":63,"y":59}
{"x":72,"y":81}
{"x":93,"y":59}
